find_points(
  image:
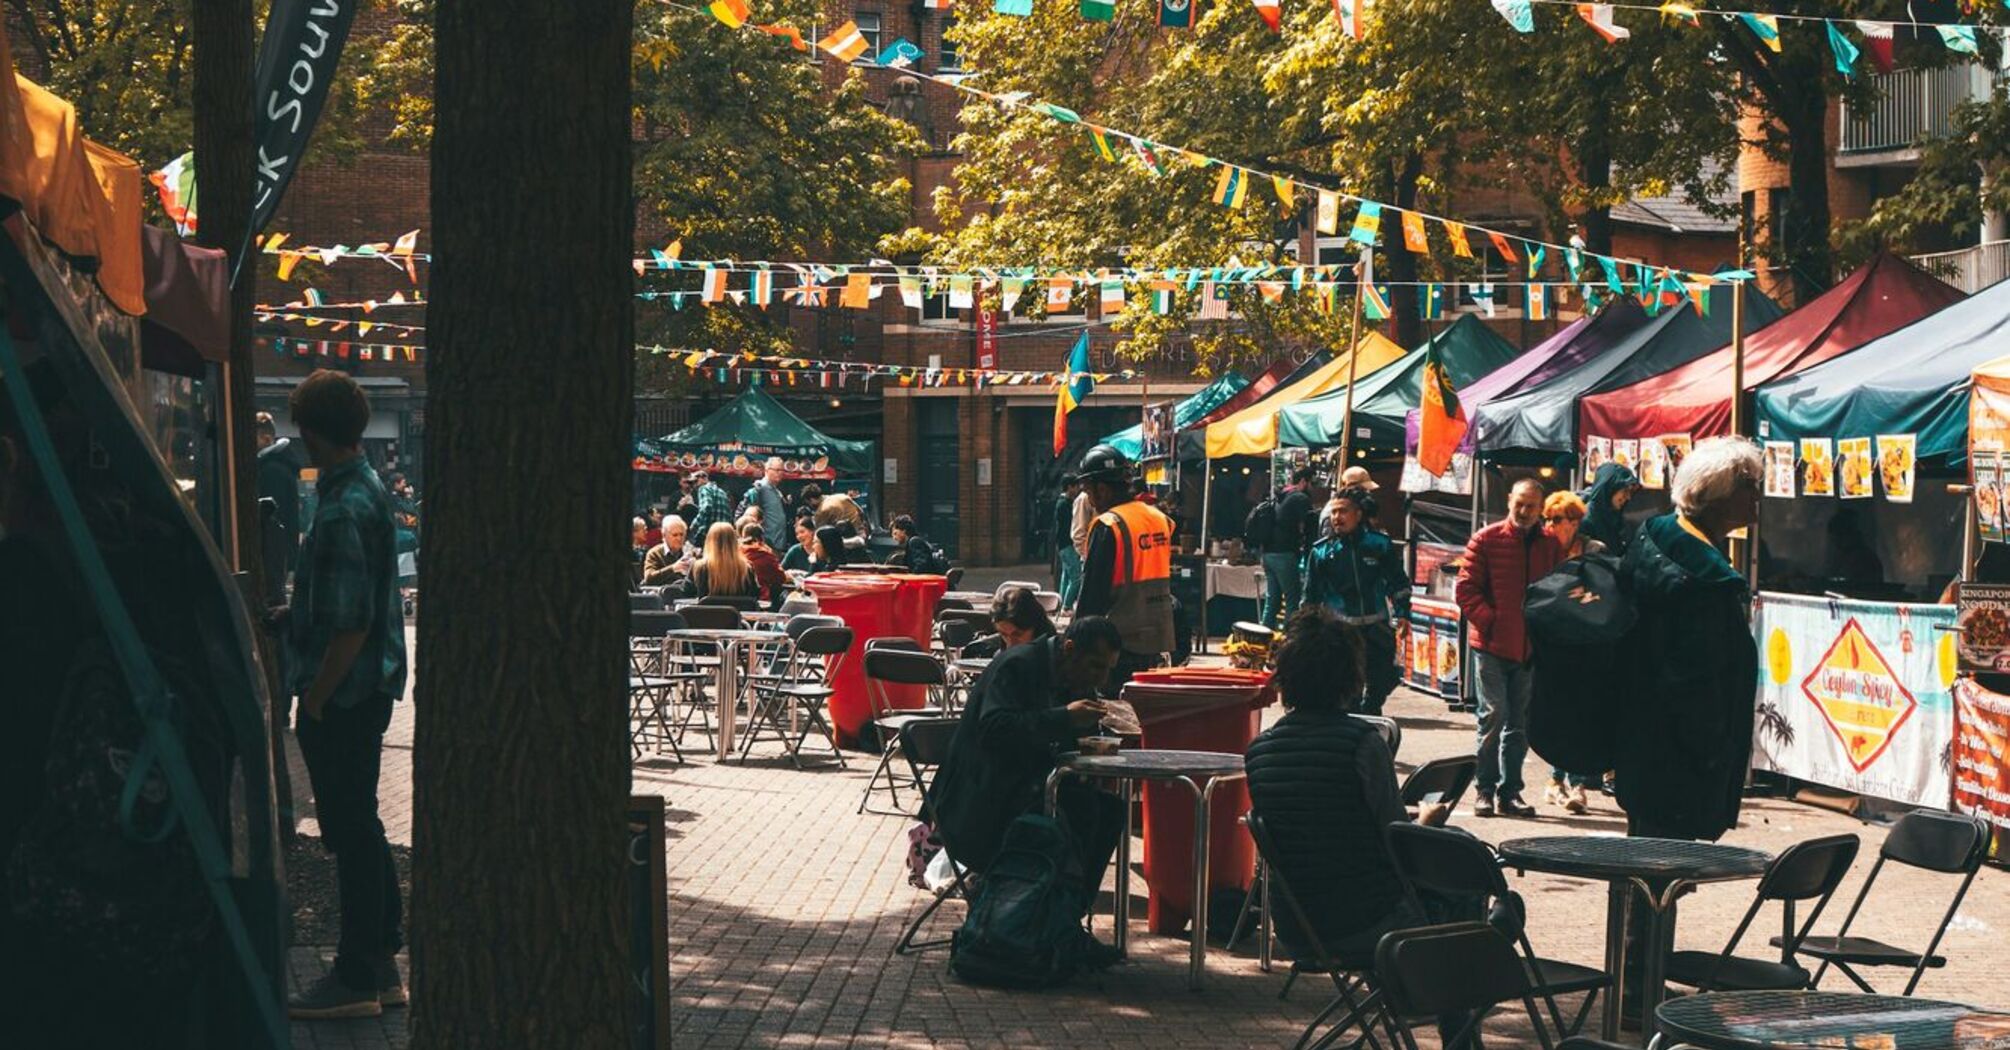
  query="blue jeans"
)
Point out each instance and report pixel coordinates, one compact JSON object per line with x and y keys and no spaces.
{"x":1071,"y":575}
{"x":1503,"y":686}
{"x":1282,"y":588}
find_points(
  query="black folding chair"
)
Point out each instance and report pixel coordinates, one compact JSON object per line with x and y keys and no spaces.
{"x":955,"y":576}
{"x":651,"y":681}
{"x":1452,"y":863}
{"x":946,"y":602}
{"x":1440,"y":780}
{"x":955,"y":634}
{"x":1353,"y":977}
{"x":1946,"y":843}
{"x":890,"y":665}
{"x":790,"y":706}
{"x":1454,"y":968}
{"x":1805,"y":871}
{"x":979,"y":620}
{"x":644,"y":600}
{"x":707,"y":617}
{"x":924,"y":743}
{"x":1389,"y":729}
{"x":742,"y":602}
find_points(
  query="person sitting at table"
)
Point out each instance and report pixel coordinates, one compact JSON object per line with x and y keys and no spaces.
{"x":1017,"y":617}
{"x":841,"y":533}
{"x":668,"y":563}
{"x":767,"y":568}
{"x":1032,"y":703}
{"x":914,"y":552}
{"x":802,"y":555}
{"x":724,"y":571}
{"x":1324,"y":782}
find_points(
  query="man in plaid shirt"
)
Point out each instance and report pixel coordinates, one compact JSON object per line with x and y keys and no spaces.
{"x":714,"y":506}
{"x":345,"y":633}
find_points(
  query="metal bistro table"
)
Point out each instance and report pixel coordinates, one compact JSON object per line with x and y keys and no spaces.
{"x":726,"y":677}
{"x":1660,"y":869}
{"x":1200,"y":771}
{"x":1804,"y":1020}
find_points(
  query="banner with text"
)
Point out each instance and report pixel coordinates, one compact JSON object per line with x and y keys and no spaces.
{"x":296,"y":64}
{"x":1982,"y":753}
{"x":1856,"y":695}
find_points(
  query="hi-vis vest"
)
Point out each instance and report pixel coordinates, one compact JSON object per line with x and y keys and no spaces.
{"x":1141,"y":580}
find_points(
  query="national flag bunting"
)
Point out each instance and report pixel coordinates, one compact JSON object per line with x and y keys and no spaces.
{"x":936,"y":5}
{"x":1148,"y":155}
{"x":1230,"y":187}
{"x":1959,"y":38}
{"x":1846,"y":53}
{"x":1367,"y":223}
{"x":1457,"y":234}
{"x":901,"y":53}
{"x":1162,"y":297}
{"x":714,"y":284}
{"x":1518,"y":14}
{"x":1272,"y":13}
{"x":857,"y":294}
{"x":1431,"y":302}
{"x":1348,"y":14}
{"x":1413,"y":233}
{"x":1112,"y":297}
{"x":1765,"y":27}
{"x":762,"y":293}
{"x":1102,"y":144}
{"x":1877,"y":42}
{"x":1060,"y":294}
{"x":1328,"y":213}
{"x":1285,"y":192}
{"x":1175,"y":14}
{"x":1501,"y":245}
{"x":1441,"y":419}
{"x":1599,"y":17}
{"x":1538,"y":302}
{"x":1016,"y":8}
{"x":1213,"y":302}
{"x":1374,"y":299}
{"x":1099,"y":10}
{"x":791,"y":33}
{"x":1076,"y":386}
{"x":845,"y":43}
{"x":732,"y":12}
{"x":1535,"y":259}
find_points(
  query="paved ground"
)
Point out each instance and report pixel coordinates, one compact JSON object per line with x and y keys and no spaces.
{"x":785,"y":905}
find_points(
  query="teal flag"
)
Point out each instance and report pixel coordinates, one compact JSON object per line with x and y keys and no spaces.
{"x":1846,"y":52}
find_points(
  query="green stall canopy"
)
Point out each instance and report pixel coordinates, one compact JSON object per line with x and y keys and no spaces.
{"x":739,"y":438}
{"x":1383,"y":400}
{"x":1130,"y":440}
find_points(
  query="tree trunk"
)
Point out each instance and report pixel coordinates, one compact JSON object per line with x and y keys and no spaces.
{"x":1808,"y":257}
{"x":1406,"y":327}
{"x":520,"y":765}
{"x":1594,"y":170}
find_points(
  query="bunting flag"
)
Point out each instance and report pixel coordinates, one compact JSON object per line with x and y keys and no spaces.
{"x":1501,"y":245}
{"x":1612,"y":280}
{"x":935,"y":5}
{"x":732,"y":12}
{"x":762,"y":294}
{"x":1272,"y":291}
{"x":715,"y":284}
{"x":1060,"y":294}
{"x":1460,"y":246}
{"x":1681,"y":12}
{"x":1573,"y":260}
{"x":899,"y":54}
{"x":1877,"y":42}
{"x":1765,"y":27}
{"x":1284,"y":190}
{"x":1599,"y":16}
{"x":1230,"y":188}
{"x":1846,"y":53}
{"x":1162,"y":297}
{"x":1518,"y":13}
{"x":1959,"y":39}
{"x":1413,"y":233}
{"x":1348,"y":14}
{"x":1441,"y":419}
{"x":1213,"y":302}
{"x":961,"y":293}
{"x":1076,"y":386}
{"x":1102,"y":144}
{"x":1112,"y":298}
{"x":1483,"y":294}
{"x":1016,"y":8}
{"x":1535,"y":259}
{"x":1367,"y":223}
{"x":1271,"y":12}
{"x":845,"y":43}
{"x":1099,"y":10}
{"x":1431,"y":302}
{"x":1538,"y":302}
{"x":1009,"y":292}
{"x":790,"y":33}
{"x":1374,"y":299}
{"x":1175,"y":14}
{"x":1329,"y":213}
{"x":1149,"y":156}
{"x":857,"y":293}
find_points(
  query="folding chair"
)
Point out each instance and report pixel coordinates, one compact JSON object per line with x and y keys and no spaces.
{"x":979,"y":622}
{"x":651,"y":681}
{"x":886,"y":665}
{"x":1440,"y":780}
{"x":946,"y":602}
{"x":1350,"y":976}
{"x":1454,"y":968}
{"x":1049,"y":600}
{"x":1390,"y":730}
{"x":1009,"y":584}
{"x":955,"y":576}
{"x":924,"y":742}
{"x":742,"y":602}
{"x":707,"y":617}
{"x":1806,"y":871}
{"x":644,"y":600}
{"x":791,"y":704}
{"x":955,"y":634}
{"x":1940,"y":842}
{"x":1452,"y":863}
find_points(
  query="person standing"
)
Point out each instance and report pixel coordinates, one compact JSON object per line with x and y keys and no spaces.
{"x":1067,"y":559}
{"x":1284,"y":550}
{"x":346,"y":648}
{"x":1501,"y":560}
{"x":1612,"y":488}
{"x":1563,"y":515}
{"x":1082,"y":514}
{"x":714,"y":506}
{"x":1127,"y":572}
{"x":767,"y":495}
{"x":1356,"y":572}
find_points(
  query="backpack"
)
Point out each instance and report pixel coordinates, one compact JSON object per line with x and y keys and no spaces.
{"x":1578,"y":617}
{"x":1260,"y":528}
{"x":1024,"y":930}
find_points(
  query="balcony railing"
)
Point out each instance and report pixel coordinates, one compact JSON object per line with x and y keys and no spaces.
{"x":1911,"y":104}
{"x":1969,"y":269}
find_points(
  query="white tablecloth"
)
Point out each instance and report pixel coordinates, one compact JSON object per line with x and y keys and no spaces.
{"x":1234,"y":581}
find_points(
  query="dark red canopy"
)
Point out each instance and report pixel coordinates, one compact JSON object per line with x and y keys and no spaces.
{"x":1888,"y":293}
{"x":1257,"y":390}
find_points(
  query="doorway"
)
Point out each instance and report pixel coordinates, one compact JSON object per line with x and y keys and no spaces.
{"x":936,"y":487}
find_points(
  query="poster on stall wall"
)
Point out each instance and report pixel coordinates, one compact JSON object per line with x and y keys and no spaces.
{"x":1653,"y":466}
{"x":1855,"y":695}
{"x":1819,"y":460}
{"x":1780,"y":469}
{"x":1897,"y":468}
{"x":1854,"y":464}
{"x":1422,"y":652}
{"x":1157,"y":432}
{"x":1988,"y":496}
{"x":1597,"y":452}
{"x":1626,"y":452}
{"x":1457,"y":481}
{"x":1981,"y":753}
{"x":1283,"y":462}
{"x":1677,"y":447}
{"x":1982,"y":611}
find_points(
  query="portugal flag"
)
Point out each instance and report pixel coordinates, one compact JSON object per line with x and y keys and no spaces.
{"x":1076,"y":385}
{"x":1441,"y":419}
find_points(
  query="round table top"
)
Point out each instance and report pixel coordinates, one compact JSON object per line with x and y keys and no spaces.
{"x":1828,"y":1021}
{"x":1611,"y":857}
{"x":1148,"y":764}
{"x":719,"y":634}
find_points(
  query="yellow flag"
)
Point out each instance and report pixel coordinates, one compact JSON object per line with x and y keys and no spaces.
{"x":1458,"y":235}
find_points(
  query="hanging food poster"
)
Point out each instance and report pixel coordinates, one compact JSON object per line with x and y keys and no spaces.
{"x":1677,"y":446}
{"x":1988,"y":494}
{"x":1780,"y":469}
{"x":1854,"y":463}
{"x":1597,"y":451}
{"x":1895,"y":465}
{"x":1821,"y":476}
{"x":1625,"y":452}
{"x":1653,"y":467}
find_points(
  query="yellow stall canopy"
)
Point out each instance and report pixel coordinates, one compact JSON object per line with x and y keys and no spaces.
{"x":1253,"y":431}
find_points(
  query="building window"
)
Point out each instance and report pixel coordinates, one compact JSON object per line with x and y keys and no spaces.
{"x":949,"y":56}
{"x":936,"y":308}
{"x":869,"y":28}
{"x":1778,"y":203}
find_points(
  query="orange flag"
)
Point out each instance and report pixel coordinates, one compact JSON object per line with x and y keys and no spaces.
{"x":1413,"y":233}
{"x":1506,"y":249}
{"x":1441,"y":420}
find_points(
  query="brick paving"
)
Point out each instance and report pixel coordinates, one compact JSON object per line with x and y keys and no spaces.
{"x":785,"y":905}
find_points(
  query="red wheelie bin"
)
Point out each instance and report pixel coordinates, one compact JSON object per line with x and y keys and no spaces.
{"x":873,"y":606}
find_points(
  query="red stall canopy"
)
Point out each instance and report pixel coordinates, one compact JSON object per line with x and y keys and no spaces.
{"x":1888,"y":293}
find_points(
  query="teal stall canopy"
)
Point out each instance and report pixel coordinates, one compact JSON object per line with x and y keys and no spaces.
{"x":1912,"y":381}
{"x":741,"y":436}
{"x":1382,"y":400}
{"x":1130,"y":440}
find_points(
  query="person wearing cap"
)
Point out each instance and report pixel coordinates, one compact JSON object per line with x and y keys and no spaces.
{"x":1356,"y":572}
{"x":1127,"y":570}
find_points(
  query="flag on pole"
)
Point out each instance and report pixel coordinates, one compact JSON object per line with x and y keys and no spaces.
{"x":845,"y":43}
{"x":1230,"y":188}
{"x":1329,"y":212}
{"x":1175,"y":14}
{"x":1518,"y":14}
{"x":1846,"y":53}
{"x":1272,"y":13}
{"x":1877,"y":40}
{"x":1076,"y":386}
{"x":1413,"y":233}
{"x":1431,"y":302}
{"x":1367,"y":223}
{"x":1765,"y":27}
{"x":1441,"y":420}
{"x":1599,"y":16}
{"x":1099,"y":10}
{"x":1348,"y":14}
{"x":732,"y":12}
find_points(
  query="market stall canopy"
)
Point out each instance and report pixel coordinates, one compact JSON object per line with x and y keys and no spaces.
{"x":1192,"y":441}
{"x":1543,"y":416}
{"x":187,"y":324}
{"x":1912,"y":381}
{"x":1130,"y":440}
{"x":1884,"y":295}
{"x":1253,"y":431}
{"x":1469,"y":349}
{"x":739,"y":438}
{"x":82,"y":197}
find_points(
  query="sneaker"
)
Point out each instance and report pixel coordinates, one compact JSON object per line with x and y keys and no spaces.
{"x":1555,"y":794}
{"x":1576,"y":803}
{"x":390,"y":986}
{"x":1096,"y":955}
{"x":1483,"y":806}
{"x":1513,"y":806}
{"x":329,"y":999}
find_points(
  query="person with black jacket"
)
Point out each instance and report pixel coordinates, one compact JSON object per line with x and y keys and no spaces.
{"x":1293,"y":528}
{"x":915,"y":552}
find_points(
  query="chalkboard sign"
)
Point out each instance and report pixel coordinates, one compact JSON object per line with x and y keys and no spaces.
{"x":649,"y":926}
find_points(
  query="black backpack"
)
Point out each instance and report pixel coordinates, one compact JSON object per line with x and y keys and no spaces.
{"x":1260,"y":528}
{"x":1578,"y":617}
{"x":1024,"y":929}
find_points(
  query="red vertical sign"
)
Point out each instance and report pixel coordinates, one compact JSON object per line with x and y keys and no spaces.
{"x":987,"y":331}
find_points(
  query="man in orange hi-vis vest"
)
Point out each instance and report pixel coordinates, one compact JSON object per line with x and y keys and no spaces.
{"x":1127,"y":573}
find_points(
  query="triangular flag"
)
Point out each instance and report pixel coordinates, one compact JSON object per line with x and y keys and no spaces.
{"x":1518,"y":14}
{"x":1272,"y":13}
{"x":1680,"y":11}
{"x":1599,"y":16}
{"x":1765,"y":27}
{"x":408,"y":242}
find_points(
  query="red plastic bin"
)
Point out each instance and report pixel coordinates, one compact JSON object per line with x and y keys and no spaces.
{"x":873,"y":606}
{"x":1195,"y":710}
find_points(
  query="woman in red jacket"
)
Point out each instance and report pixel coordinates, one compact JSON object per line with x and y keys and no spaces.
{"x":768,"y":574}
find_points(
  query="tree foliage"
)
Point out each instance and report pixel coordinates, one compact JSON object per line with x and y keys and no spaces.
{"x":1961,"y":175}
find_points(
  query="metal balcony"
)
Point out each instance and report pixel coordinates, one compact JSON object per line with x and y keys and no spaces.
{"x":1969,"y":269}
{"x":1912,"y":104}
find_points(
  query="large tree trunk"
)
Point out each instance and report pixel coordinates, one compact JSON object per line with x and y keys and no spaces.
{"x":1594,"y":169}
{"x":520,"y":766}
{"x":1807,"y":254}
{"x":1406,"y":327}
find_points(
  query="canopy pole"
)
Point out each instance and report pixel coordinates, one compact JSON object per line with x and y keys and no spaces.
{"x":1742,"y":549}
{"x":1206,"y":500}
{"x":1353,"y":360}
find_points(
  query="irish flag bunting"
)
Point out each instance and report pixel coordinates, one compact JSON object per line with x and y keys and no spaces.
{"x":1112,"y":297}
{"x":715,"y":284}
{"x":1599,"y":16}
{"x":1272,"y":13}
{"x":845,"y":43}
